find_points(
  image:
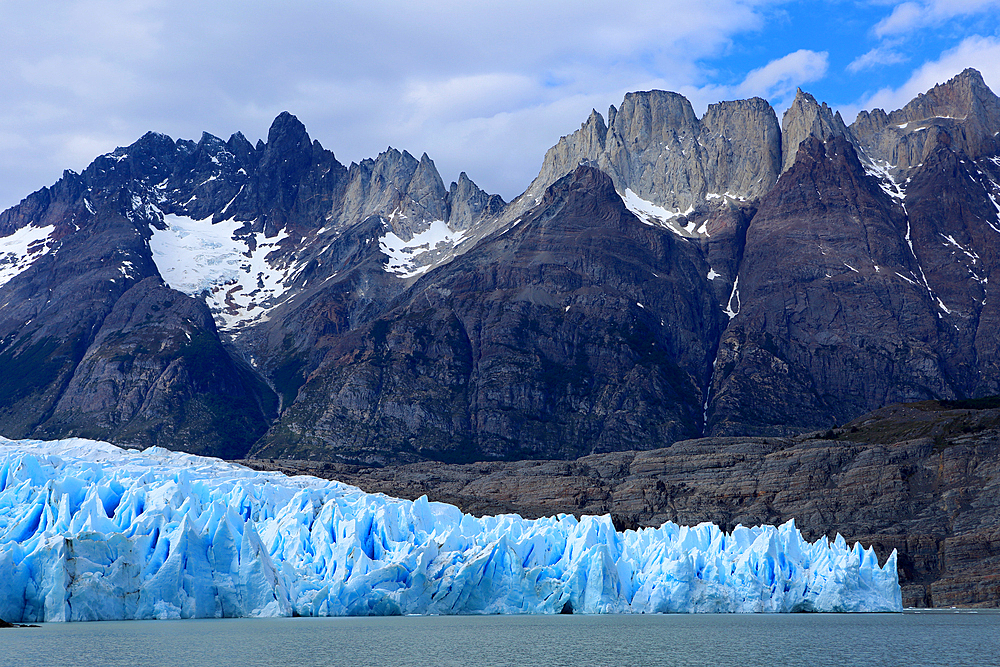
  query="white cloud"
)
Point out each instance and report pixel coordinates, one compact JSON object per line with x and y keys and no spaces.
{"x":485,"y":87}
{"x":982,"y":53}
{"x":878,"y":57}
{"x":776,"y":81}
{"x":478,"y":95}
{"x":446,"y":76}
{"x":904,"y":18}
{"x":909,"y":16}
{"x":780,"y":77}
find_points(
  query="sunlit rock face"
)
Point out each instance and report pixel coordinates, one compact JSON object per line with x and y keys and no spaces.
{"x":89,"y":531}
{"x":654,"y":147}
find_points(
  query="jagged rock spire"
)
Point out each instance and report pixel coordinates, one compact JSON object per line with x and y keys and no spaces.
{"x":807,"y":118}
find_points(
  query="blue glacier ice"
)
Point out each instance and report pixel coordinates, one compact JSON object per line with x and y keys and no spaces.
{"x":89,"y":531}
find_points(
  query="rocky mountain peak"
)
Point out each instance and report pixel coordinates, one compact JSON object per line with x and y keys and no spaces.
{"x":807,"y":118}
{"x":288,"y":144}
{"x":287,"y":133}
{"x":745,"y":142}
{"x":665,"y":161}
{"x":961,"y":96}
{"x":410,"y":195}
{"x":654,"y":116}
{"x":426,"y":190}
{"x":468,"y":204}
{"x":962,"y":114}
{"x":596,"y":127}
{"x":151,"y":142}
{"x":239,"y":145}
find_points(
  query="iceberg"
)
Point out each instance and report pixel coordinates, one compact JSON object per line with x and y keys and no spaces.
{"x":89,"y":531}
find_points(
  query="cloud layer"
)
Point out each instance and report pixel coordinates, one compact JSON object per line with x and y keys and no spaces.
{"x":482,"y":87}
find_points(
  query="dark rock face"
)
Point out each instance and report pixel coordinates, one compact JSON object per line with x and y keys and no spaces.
{"x":580,"y":329}
{"x":157,"y":373}
{"x":52,"y":311}
{"x":880,"y":293}
{"x":835,"y":323}
{"x":918,"y":478}
{"x":93,"y":344}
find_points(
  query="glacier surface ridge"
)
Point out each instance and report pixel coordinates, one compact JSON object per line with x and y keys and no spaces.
{"x":89,"y":531}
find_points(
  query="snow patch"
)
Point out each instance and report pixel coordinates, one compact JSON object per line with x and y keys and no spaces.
{"x":197,"y":257}
{"x":410,"y":258}
{"x":193,"y":256}
{"x":645,"y":210}
{"x":735,"y":294}
{"x":951,"y":241}
{"x":882,"y":171}
{"x":19,"y":250}
{"x":996,"y":206}
{"x":657,"y":216}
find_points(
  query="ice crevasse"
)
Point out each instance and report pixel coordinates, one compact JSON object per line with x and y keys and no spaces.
{"x":89,"y":531}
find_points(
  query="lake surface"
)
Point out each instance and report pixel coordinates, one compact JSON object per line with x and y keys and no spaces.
{"x":915,"y":639}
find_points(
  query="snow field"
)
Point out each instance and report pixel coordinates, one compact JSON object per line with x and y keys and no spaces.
{"x":20,"y":249}
{"x":196,"y":257}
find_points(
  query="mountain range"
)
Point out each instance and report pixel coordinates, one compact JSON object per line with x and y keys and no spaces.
{"x":665,"y":277}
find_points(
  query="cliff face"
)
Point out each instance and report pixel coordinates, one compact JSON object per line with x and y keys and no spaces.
{"x":842,"y":311}
{"x":807,"y":119}
{"x":961,"y":115}
{"x":864,"y":283}
{"x":579,"y":329}
{"x":157,"y":373}
{"x":657,"y":148}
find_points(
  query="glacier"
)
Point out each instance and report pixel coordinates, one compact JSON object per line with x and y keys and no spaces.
{"x":89,"y":531}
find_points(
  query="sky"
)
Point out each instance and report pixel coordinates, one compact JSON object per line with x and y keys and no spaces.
{"x":483,"y":87}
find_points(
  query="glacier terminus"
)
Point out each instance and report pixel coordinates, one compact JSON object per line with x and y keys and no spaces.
{"x":89,"y":531}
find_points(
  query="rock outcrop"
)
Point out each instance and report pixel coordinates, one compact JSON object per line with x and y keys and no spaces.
{"x":807,"y":119}
{"x":580,"y":329}
{"x":962,"y":115}
{"x":655,"y":146}
{"x":157,"y":373}
{"x":816,"y":320}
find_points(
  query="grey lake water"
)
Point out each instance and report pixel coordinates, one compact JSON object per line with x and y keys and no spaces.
{"x":917,"y":638}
